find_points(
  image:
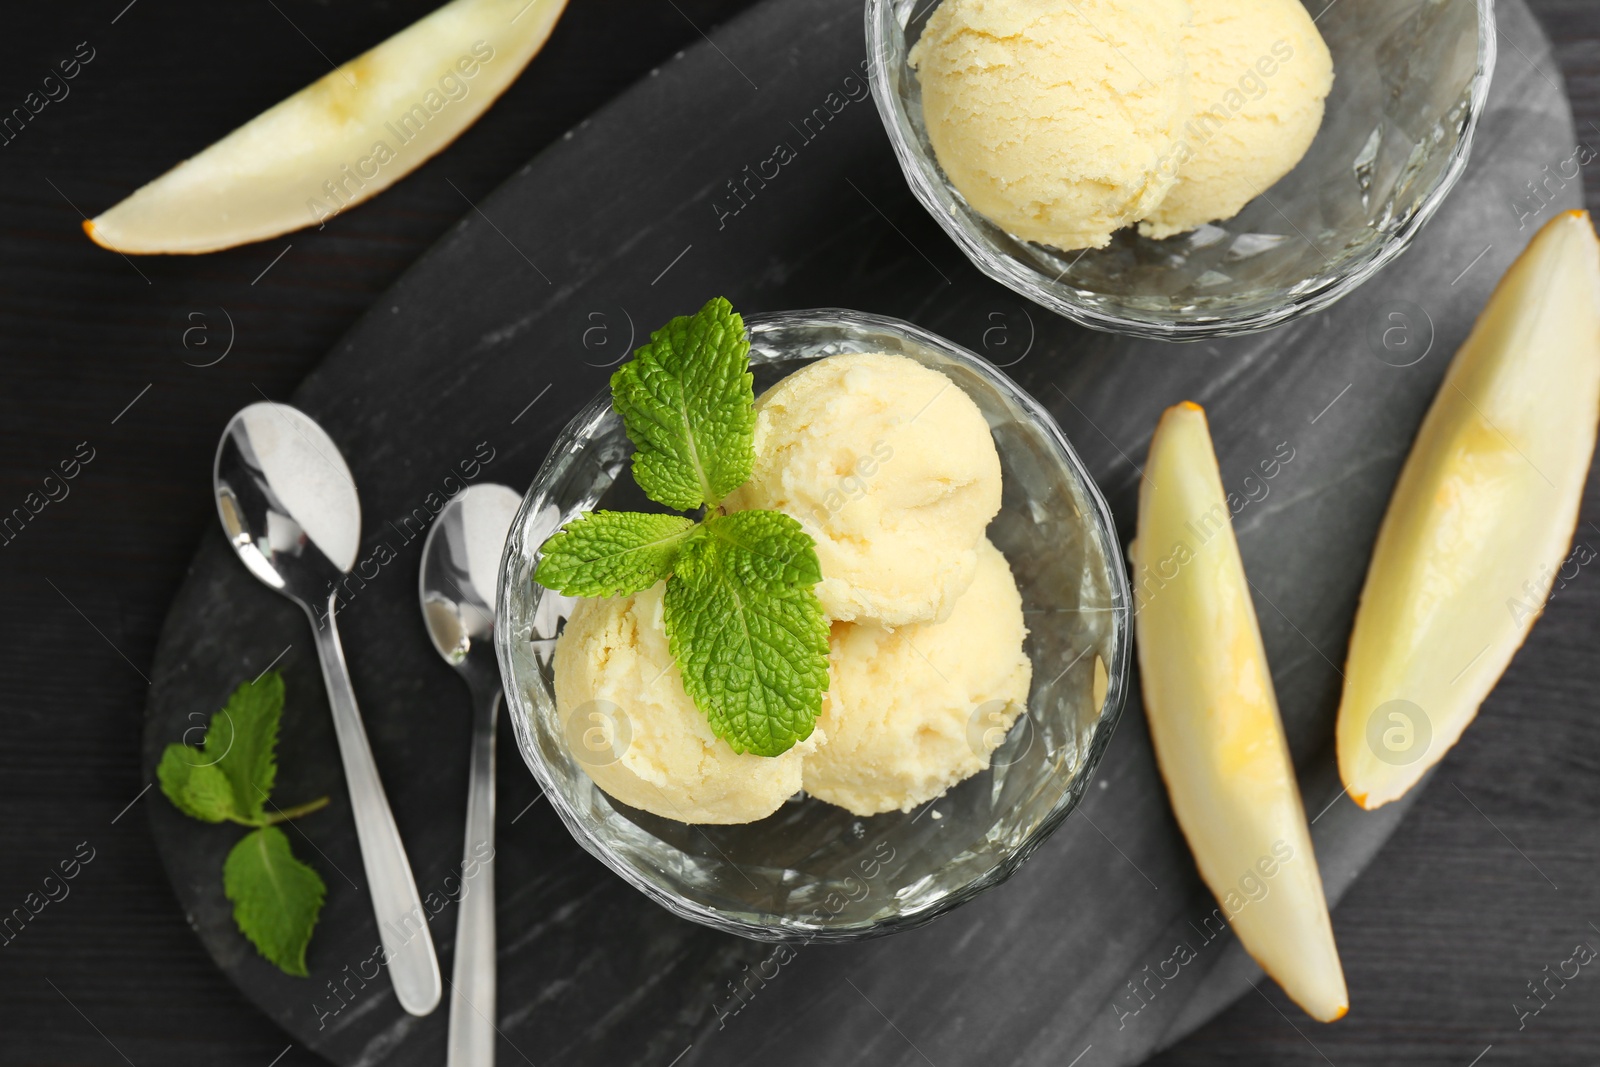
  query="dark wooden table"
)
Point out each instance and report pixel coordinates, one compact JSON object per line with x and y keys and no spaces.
{"x":107,"y":357}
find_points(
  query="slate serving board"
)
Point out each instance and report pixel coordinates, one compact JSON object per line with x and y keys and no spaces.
{"x":485,"y":348}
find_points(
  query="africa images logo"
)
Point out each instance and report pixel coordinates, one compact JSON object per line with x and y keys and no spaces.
{"x":1399,"y":732}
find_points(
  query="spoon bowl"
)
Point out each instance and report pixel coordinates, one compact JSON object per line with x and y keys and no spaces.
{"x":460,"y":572}
{"x":287,"y":501}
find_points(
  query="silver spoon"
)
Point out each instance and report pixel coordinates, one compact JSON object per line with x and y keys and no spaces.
{"x":290,"y":509}
{"x":460,"y":573}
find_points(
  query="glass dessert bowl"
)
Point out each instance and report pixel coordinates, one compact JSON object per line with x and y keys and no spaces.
{"x":1411,"y":78}
{"x":812,"y":870}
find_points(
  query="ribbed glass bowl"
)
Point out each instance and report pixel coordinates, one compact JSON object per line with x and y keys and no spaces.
{"x":812,"y":870}
{"x":1410,"y":81}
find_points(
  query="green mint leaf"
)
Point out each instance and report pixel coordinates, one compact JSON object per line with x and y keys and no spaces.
{"x":231,"y":777}
{"x":243,"y":738}
{"x":688,"y":401}
{"x":612,"y":553}
{"x":765,"y":549}
{"x":754,"y":657}
{"x":191,"y":780}
{"x":276,"y":898}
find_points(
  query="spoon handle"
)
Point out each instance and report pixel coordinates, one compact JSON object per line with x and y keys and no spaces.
{"x":472,"y":985}
{"x":402,"y":924}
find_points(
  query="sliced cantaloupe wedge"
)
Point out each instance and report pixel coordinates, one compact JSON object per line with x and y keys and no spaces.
{"x":1214,"y":720}
{"x":340,"y":140}
{"x":1481,"y":518}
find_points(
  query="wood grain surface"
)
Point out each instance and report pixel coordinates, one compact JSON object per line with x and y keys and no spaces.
{"x":1456,"y":915}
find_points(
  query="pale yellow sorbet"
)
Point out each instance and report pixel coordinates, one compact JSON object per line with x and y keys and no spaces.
{"x":892,"y":470}
{"x":636,"y":732}
{"x":913,"y":711}
{"x":1054,"y":118}
{"x":1259,"y":73}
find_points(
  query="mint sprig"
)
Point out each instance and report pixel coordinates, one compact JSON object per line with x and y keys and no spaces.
{"x":276,"y":898}
{"x":743,"y":624}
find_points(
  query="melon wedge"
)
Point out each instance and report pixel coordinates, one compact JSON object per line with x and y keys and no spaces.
{"x":340,"y":140}
{"x":1481,"y":518}
{"x":1214,"y":720}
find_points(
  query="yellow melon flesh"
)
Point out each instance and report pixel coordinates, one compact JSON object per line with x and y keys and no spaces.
{"x":340,"y":140}
{"x":1214,"y":720}
{"x":1481,"y":518}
